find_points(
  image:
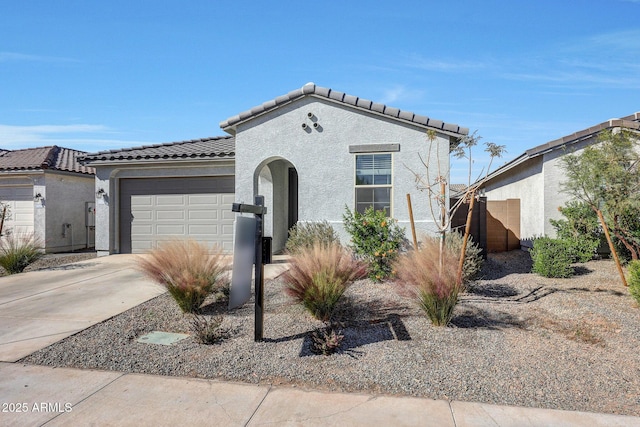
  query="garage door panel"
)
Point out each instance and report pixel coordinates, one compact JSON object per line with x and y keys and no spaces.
{"x":141,"y":246}
{"x":203,"y":199}
{"x":170,"y":230}
{"x":177,"y":200}
{"x":19,"y":199}
{"x":142,"y":229}
{"x":142,"y":200}
{"x":144,"y":215}
{"x":165,"y":208}
{"x":170,"y":215}
{"x":203,"y":215}
{"x":209,"y":230}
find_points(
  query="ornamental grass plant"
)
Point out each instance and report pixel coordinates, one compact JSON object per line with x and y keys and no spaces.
{"x":318,"y":276}
{"x":18,"y":251}
{"x":188,"y":269}
{"x":434,"y":286}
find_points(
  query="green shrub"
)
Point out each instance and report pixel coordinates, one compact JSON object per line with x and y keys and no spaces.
{"x":376,"y":239}
{"x":305,"y":234}
{"x":435,"y":287}
{"x":581,"y":250}
{"x":581,"y":230}
{"x":317,"y":277}
{"x":473,"y":260}
{"x":551,"y":258}
{"x":18,"y":251}
{"x":188,"y":271}
{"x":634,"y":279}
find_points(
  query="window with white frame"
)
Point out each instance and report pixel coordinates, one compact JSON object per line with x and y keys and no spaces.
{"x":373,"y":182}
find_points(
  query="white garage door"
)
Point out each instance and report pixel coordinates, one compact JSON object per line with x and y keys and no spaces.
{"x":153,"y":210}
{"x":20,"y":202}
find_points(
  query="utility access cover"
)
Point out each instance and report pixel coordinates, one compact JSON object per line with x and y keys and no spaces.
{"x":163,"y":338}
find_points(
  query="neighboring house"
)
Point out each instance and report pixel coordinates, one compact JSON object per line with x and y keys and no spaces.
{"x":311,"y":153}
{"x":50,"y":194}
{"x":535,"y":178}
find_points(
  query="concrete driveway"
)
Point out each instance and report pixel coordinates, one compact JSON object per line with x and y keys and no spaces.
{"x":42,"y":307}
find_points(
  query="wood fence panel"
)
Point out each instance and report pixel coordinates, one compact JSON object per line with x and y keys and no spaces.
{"x":503,"y":225}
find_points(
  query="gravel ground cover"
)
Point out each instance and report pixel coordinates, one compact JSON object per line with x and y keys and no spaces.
{"x":516,"y":339}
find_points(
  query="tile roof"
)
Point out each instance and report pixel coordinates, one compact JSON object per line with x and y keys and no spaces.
{"x":631,"y":121}
{"x":205,"y":148}
{"x":51,"y":158}
{"x":310,"y":89}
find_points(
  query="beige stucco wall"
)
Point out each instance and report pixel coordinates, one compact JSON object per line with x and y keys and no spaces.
{"x":66,"y":198}
{"x":326,"y":168}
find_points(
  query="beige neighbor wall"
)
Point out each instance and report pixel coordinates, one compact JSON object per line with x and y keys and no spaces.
{"x":65,"y":205}
{"x":526,"y":183}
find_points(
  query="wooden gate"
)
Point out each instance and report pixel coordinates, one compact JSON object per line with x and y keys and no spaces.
{"x":495,"y":224}
{"x":503,"y":225}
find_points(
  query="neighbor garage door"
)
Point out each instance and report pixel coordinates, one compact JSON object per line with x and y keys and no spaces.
{"x":157,"y":209}
{"x":20,"y":202}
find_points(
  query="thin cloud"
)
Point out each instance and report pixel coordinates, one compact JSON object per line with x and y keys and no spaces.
{"x":444,"y":65}
{"x":399,"y":94}
{"x":23,"y":57}
{"x":603,"y":60}
{"x":84,"y":137}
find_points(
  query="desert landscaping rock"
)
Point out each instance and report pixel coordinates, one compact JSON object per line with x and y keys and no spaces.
{"x":515,"y":339}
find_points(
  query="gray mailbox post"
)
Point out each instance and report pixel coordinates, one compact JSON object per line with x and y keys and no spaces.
{"x":258,"y":210}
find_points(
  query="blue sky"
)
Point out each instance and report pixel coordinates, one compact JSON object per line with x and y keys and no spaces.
{"x":104,"y":75}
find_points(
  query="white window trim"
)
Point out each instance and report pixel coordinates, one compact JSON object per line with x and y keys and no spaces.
{"x":390,"y":186}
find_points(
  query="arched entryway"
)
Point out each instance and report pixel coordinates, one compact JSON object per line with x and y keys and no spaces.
{"x":277,"y":180}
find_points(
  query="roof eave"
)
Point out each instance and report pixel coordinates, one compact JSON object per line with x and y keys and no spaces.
{"x":159,"y":161}
{"x":232,"y":128}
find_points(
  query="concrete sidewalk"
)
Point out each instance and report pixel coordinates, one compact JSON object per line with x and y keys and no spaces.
{"x":37,"y":395}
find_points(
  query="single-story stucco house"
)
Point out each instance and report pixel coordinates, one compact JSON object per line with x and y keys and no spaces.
{"x":535,"y":178}
{"x":50,"y":194}
{"x":311,"y":153}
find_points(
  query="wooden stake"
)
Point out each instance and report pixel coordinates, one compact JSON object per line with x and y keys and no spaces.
{"x":413,"y":225}
{"x":465,"y":239}
{"x":611,"y":247}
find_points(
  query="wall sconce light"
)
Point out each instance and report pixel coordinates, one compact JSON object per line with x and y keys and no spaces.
{"x":38,"y":197}
{"x":100,"y":193}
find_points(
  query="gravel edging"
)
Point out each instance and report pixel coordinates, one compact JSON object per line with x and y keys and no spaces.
{"x":516,"y":339}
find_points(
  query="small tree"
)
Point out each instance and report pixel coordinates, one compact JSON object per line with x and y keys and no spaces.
{"x":436,"y":188}
{"x":464,"y":151}
{"x":606,"y":177}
